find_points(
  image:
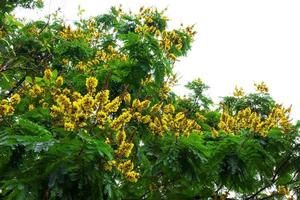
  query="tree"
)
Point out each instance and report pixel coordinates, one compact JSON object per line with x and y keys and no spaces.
{"x":87,"y":111}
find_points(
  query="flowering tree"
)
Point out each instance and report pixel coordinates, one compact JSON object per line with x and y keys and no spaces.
{"x":86,"y":111}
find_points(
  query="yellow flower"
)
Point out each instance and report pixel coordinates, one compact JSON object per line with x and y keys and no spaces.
{"x":35,"y":91}
{"x":179,"y":116}
{"x":214,"y":133}
{"x":107,"y":141}
{"x":169,"y":108}
{"x":111,"y":48}
{"x":113,"y":106}
{"x":59,"y":81}
{"x":124,"y":118}
{"x":66,"y":91}
{"x":63,"y":101}
{"x":69,"y":126}
{"x":200,"y":117}
{"x":132,"y":176}
{"x":127,"y":98}
{"x":6,"y":109}
{"x":144,"y":104}
{"x":81,"y":66}
{"x":282,"y":190}
{"x":136,"y":104}
{"x":261,"y":87}
{"x":109,"y":164}
{"x":125,"y":149}
{"x":47,"y":74}
{"x":31,"y":107}
{"x":126,"y":166}
{"x":146,"y":119}
{"x":121,"y":136}
{"x":157,"y":33}
{"x":138,"y":29}
{"x":45,"y":105}
{"x":172,"y":57}
{"x":149,"y":20}
{"x":238,"y":92}
{"x":102,"y":97}
{"x":156,"y":108}
{"x":101,"y":118}
{"x":15,"y":99}
{"x":65,"y":61}
{"x":91,"y":84}
{"x":76,"y":95}
{"x":88,"y":103}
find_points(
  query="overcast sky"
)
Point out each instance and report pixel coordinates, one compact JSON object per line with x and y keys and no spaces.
{"x":239,"y":42}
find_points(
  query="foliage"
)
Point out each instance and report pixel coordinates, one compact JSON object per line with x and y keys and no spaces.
{"x":87,"y":112}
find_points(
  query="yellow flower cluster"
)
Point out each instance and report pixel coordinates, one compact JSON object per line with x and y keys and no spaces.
{"x":126,"y":168}
{"x":127,"y":98}
{"x":59,"y":81}
{"x":101,"y":57}
{"x":166,"y":86}
{"x":200,"y":117}
{"x":121,"y":120}
{"x":75,"y":111}
{"x":132,"y":176}
{"x":7,"y":106}
{"x":35,"y":90}
{"x":124,"y":149}
{"x":69,"y":34}
{"x":164,"y":91}
{"x":168,"y":39}
{"x":238,"y":92}
{"x":31,"y":107}
{"x":261,"y":87}
{"x":162,"y":122}
{"x":90,"y":33}
{"x":146,"y":16}
{"x":247,"y":119}
{"x":47,"y":74}
{"x":109,"y":165}
{"x":121,"y":136}
{"x":283,"y":190}
{"x":15,"y":99}
{"x":214,"y":133}
{"x":91,"y":84}
{"x":147,"y":80}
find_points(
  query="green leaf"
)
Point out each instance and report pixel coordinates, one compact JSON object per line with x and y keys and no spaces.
{"x":97,"y":144}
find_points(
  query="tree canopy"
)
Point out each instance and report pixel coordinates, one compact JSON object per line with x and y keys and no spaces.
{"x":87,"y":112}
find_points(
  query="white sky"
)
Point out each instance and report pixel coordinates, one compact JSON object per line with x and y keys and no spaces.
{"x":239,"y":42}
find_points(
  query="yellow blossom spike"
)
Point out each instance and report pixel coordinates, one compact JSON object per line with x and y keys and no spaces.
{"x":59,"y":81}
{"x":261,"y":87}
{"x":121,"y":136}
{"x":91,"y":84}
{"x":214,"y":133}
{"x":15,"y":99}
{"x":31,"y":107}
{"x":69,"y":126}
{"x":125,"y":166}
{"x":238,"y":92}
{"x":47,"y":74}
{"x":125,"y":149}
{"x":132,"y":176}
{"x":127,"y":98}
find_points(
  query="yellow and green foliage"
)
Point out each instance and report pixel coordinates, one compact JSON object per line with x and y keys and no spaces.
{"x":87,"y":112}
